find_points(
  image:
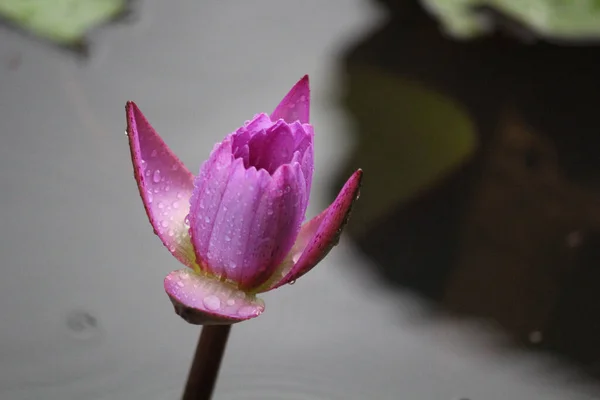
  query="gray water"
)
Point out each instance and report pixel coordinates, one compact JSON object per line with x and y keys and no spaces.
{"x":82,"y":310}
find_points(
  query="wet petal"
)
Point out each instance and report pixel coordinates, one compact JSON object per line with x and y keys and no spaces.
{"x":201,"y":300}
{"x":234,"y":219}
{"x":272,"y":148}
{"x":295,"y":106}
{"x":209,"y":187}
{"x":317,"y":237}
{"x":165,"y":185}
{"x":276,"y":224}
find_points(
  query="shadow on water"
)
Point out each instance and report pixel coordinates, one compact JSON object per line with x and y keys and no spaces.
{"x":482,"y":189}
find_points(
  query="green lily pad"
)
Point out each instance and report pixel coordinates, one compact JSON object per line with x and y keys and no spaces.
{"x":410,"y":137}
{"x":571,"y":20}
{"x":64,"y":22}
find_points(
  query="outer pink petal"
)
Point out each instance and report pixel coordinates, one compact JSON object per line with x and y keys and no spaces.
{"x":276,"y":224}
{"x":295,"y":106}
{"x":165,"y":185}
{"x":201,"y":300}
{"x":209,"y":187}
{"x":318,"y":236}
{"x":234,"y":221}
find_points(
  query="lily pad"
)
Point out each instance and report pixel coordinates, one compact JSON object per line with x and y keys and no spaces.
{"x":551,"y":19}
{"x":63,"y":22}
{"x":410,"y":137}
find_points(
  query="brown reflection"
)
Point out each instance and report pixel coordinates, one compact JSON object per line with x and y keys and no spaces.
{"x":507,"y":225}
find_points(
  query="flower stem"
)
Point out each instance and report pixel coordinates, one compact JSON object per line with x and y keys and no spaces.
{"x":207,"y":360}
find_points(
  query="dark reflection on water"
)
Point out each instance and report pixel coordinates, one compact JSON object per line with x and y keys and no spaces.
{"x":505,"y":224}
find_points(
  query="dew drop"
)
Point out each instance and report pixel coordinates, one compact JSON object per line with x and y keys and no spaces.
{"x":207,"y":219}
{"x":160,"y":205}
{"x":232,"y":265}
{"x":179,"y":195}
{"x":212,"y":302}
{"x":126,"y":133}
{"x":230,"y":302}
{"x":180,"y":284}
{"x":149,"y":197}
{"x":156,"y":176}
{"x":170,"y":232}
{"x":175,"y":204}
{"x":270,"y":211}
{"x":175,"y":167}
{"x":167,"y":188}
{"x":148,"y":172}
{"x":154,"y":153}
{"x":164,"y":223}
{"x":227,"y":238}
{"x":246,"y":311}
{"x":186,"y":221}
{"x":292,"y":281}
{"x":302,"y":98}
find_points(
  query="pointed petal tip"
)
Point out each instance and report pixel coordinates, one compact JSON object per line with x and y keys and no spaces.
{"x":201,"y":300}
{"x":295,"y":106}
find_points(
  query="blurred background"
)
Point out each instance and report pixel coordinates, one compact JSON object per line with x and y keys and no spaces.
{"x":469,"y":269}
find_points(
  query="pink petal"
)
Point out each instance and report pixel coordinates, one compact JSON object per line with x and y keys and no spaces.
{"x":233,"y":222}
{"x":276,"y":224}
{"x":318,"y":236}
{"x":209,"y":187}
{"x":295,"y":106}
{"x":165,"y":185}
{"x":201,"y":300}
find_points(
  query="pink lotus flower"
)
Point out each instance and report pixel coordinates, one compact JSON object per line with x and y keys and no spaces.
{"x":238,"y":224}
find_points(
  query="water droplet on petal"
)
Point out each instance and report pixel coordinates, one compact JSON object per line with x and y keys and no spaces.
{"x":154,"y":153}
{"x":170,"y":233}
{"x":246,"y":311}
{"x":164,"y":223}
{"x":125,"y":133}
{"x":227,"y":238}
{"x":160,"y":205}
{"x":167,"y":188}
{"x":292,"y":281}
{"x":175,"y":167}
{"x":186,"y":221}
{"x":232,"y":265}
{"x":175,"y":204}
{"x":270,"y":211}
{"x":180,"y":284}
{"x":212,"y":302}
{"x":149,"y":195}
{"x":179,"y":195}
{"x":207,"y":219}
{"x":156,"y":176}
